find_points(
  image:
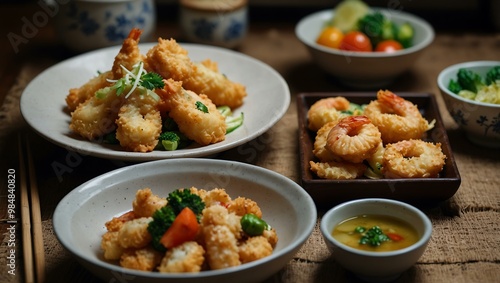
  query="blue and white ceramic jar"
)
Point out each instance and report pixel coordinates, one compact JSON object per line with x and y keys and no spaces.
{"x":83,"y":25}
{"x":215,"y":22}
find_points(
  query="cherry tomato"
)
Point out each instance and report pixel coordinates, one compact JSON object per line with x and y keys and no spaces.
{"x":356,"y":41}
{"x":389,"y":45}
{"x":331,"y":37}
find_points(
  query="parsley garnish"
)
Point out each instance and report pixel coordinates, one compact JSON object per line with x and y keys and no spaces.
{"x":373,"y":237}
{"x":137,"y":78}
{"x":202,"y":107}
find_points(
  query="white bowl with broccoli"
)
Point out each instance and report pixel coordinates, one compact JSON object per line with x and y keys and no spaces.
{"x":471,"y":91}
{"x":365,"y":70}
{"x":80,"y":217}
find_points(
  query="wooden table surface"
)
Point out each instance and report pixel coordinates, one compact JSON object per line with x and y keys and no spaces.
{"x":465,"y":244}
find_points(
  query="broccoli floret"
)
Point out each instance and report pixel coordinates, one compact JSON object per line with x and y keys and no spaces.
{"x":493,"y":75}
{"x":454,"y":86}
{"x":169,"y":140}
{"x":162,"y":220}
{"x":181,"y":199}
{"x":165,"y":216}
{"x":469,"y":80}
{"x":372,"y":26}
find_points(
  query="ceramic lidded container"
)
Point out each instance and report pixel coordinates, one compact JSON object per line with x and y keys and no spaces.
{"x":84,"y":25}
{"x":215,"y":22}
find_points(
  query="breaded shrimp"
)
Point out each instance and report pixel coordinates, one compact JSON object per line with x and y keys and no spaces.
{"x":221,"y":247}
{"x":215,"y":85}
{"x":145,"y":259}
{"x":204,"y":126}
{"x":337,"y":170}
{"x":254,"y":248}
{"x":241,"y":206}
{"x":129,"y":54}
{"x":353,"y":139}
{"x":111,"y":246}
{"x":319,"y":149}
{"x":134,"y":233}
{"x":187,"y":257}
{"x":219,"y":215}
{"x":81,"y":94}
{"x":139,"y":123}
{"x":117,"y":222}
{"x":96,"y":116}
{"x":170,"y":60}
{"x":413,"y":159}
{"x":216,"y":197}
{"x":146,"y":203}
{"x":397,"y":118}
{"x":326,"y":110}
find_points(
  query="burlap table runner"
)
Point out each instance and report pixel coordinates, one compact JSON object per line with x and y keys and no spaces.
{"x":465,"y":241}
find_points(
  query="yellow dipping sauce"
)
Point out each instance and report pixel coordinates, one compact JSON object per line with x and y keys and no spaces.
{"x":400,"y":234}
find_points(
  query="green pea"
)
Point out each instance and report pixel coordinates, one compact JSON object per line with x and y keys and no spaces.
{"x":253,"y":225}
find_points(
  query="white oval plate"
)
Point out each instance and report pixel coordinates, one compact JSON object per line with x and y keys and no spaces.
{"x":44,"y":108}
{"x":80,"y":216}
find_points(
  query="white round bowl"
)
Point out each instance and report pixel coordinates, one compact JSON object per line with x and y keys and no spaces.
{"x":80,"y":216}
{"x":376,"y":266}
{"x":84,"y":25}
{"x":364,"y":70}
{"x":480,"y":121}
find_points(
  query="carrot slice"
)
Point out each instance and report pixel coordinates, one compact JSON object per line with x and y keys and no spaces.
{"x":184,"y":228}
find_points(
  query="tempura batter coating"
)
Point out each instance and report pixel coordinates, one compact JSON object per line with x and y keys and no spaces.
{"x":81,"y":94}
{"x":202,"y":127}
{"x":129,"y":54}
{"x":96,"y":116}
{"x":146,"y":203}
{"x":170,"y":60}
{"x":145,"y":259}
{"x":139,"y":123}
{"x":111,"y":246}
{"x":187,"y":257}
{"x":337,"y":170}
{"x":134,"y":233}
{"x":326,"y":110}
{"x":255,"y":248}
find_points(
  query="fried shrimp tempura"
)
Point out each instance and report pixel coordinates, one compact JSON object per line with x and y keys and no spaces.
{"x":170,"y":60}
{"x":139,"y":123}
{"x":215,"y":85}
{"x":134,"y":233}
{"x":111,"y":246}
{"x":129,"y":54}
{"x":337,"y":170}
{"x":353,"y":139}
{"x":146,"y":203}
{"x":96,"y":116}
{"x":413,"y":159}
{"x":81,"y":94}
{"x":326,"y":110}
{"x":396,"y":118}
{"x":187,"y":257}
{"x":145,"y":259}
{"x":186,"y":109}
{"x":255,"y":248}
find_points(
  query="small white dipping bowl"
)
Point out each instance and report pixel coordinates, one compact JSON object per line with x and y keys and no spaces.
{"x":480,"y":121}
{"x":376,"y":266}
{"x":80,"y":216}
{"x":364,"y":70}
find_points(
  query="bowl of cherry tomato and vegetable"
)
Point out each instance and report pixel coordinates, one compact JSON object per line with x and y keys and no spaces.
{"x":364,"y":49}
{"x":376,"y":239}
{"x":471,"y":92}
